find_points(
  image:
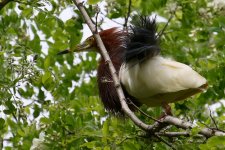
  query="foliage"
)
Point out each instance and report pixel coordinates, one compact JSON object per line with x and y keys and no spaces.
{"x":42,"y":93}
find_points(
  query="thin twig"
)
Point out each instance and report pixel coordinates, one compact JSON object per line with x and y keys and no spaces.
{"x":176,"y":134}
{"x":216,"y":129}
{"x":164,"y":141}
{"x":128,"y":14}
{"x":164,"y":28}
{"x":129,"y":101}
{"x":126,"y":138}
{"x":96,"y":18}
{"x":204,"y":124}
{"x":214,"y":122}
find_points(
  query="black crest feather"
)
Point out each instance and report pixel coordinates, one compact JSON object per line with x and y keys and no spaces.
{"x":143,"y":41}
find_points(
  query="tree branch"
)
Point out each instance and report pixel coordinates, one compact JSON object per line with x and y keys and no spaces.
{"x":210,"y":114}
{"x":97,"y":9}
{"x":128,"y":14}
{"x":176,"y":134}
{"x":158,"y":125}
{"x":3,"y":3}
{"x":207,"y":132}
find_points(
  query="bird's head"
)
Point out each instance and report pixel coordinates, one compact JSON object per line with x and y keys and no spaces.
{"x":90,"y":43}
{"x":114,"y":40}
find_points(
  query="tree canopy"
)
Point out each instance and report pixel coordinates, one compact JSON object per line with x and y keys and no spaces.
{"x":49,"y":101}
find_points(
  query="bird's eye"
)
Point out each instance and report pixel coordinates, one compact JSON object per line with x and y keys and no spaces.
{"x":91,"y":39}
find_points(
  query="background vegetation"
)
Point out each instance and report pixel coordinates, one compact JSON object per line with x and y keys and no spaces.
{"x":51,"y":102}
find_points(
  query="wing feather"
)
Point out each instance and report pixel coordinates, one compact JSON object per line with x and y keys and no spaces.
{"x":159,"y":75}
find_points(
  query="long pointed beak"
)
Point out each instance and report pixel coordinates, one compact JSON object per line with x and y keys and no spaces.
{"x":64,"y":52}
{"x":84,"y":46}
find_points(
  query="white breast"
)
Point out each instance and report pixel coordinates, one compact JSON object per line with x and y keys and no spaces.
{"x":158,"y":75}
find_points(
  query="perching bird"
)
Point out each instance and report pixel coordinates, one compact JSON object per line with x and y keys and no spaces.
{"x":146,"y":77}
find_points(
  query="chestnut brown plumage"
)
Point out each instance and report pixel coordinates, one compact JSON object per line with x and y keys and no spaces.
{"x":115,"y":42}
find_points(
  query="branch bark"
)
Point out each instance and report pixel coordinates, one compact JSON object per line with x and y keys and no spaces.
{"x":207,"y":132}
{"x":175,"y":134}
{"x":158,"y":125}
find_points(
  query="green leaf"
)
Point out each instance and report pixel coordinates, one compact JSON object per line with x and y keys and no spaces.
{"x":47,"y":62}
{"x":106,"y":148}
{"x":27,"y":12}
{"x":10,"y":106}
{"x":41,"y":96}
{"x":45,"y":77}
{"x":36,"y":112}
{"x":7,"y":111}
{"x":35,"y":43}
{"x":45,"y":120}
{"x":90,"y":145}
{"x":105,"y":128}
{"x":20,"y":132}
{"x":92,"y":2}
{"x":195,"y":130}
{"x":2,"y":123}
{"x":129,"y":146}
{"x":216,"y":142}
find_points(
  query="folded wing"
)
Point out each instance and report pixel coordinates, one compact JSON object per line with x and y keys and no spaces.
{"x":159,"y":80}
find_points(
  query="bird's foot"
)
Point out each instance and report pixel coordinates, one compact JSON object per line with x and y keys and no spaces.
{"x":167,"y":111}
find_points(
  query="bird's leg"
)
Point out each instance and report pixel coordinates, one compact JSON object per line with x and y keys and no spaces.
{"x":167,"y":110}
